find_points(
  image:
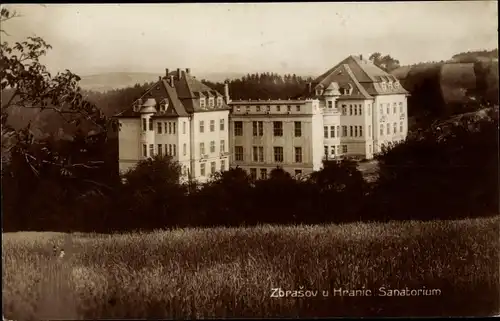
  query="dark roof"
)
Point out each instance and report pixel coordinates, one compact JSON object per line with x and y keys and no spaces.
{"x":183,"y":96}
{"x":362,"y":74}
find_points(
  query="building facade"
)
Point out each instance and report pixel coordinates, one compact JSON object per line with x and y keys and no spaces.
{"x":181,"y":117}
{"x":352,"y":110}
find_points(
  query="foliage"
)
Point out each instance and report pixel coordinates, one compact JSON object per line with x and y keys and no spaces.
{"x":221,"y":272}
{"x":386,"y":63}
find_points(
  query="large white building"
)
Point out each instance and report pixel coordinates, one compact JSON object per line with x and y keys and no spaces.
{"x":181,"y":117}
{"x":352,"y":110}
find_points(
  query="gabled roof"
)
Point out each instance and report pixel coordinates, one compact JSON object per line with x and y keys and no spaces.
{"x":362,"y":74}
{"x":182,"y":95}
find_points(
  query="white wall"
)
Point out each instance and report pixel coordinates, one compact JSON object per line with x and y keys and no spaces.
{"x":129,"y":151}
{"x":389,"y":118}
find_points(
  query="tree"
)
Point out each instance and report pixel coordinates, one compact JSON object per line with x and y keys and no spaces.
{"x":386,"y":63}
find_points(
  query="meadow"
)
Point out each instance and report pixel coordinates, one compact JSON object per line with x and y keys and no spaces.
{"x":230,"y":272}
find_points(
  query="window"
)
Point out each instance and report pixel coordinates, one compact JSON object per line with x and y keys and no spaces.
{"x":221,"y":124}
{"x":360,"y":110}
{"x":151,"y":150}
{"x":360,"y":131}
{"x":202,"y":126}
{"x":400,"y":107}
{"x":394,"y":108}
{"x":332,"y":131}
{"x":394,"y":128}
{"x":202,"y":149}
{"x":184,"y":127}
{"x":238,"y":109}
{"x":344,"y":110}
{"x":298,"y":108}
{"x":268,"y":108}
{"x":278,"y":128}
{"x":222,"y":165}
{"x":144,"y":124}
{"x":211,"y":102}
{"x":150,"y":124}
{"x":166,"y":149}
{"x":369,"y":130}
{"x":344,"y":149}
{"x":222,"y":146}
{"x":258,"y":129}
{"x":278,"y":108}
{"x":238,"y":153}
{"x":338,"y":149}
{"x":159,"y":127}
{"x":355,"y":110}
{"x":263,"y":173}
{"x":212,"y":146}
{"x":238,"y":128}
{"x":258,"y":154}
{"x":248,"y":109}
{"x":144,"y":150}
{"x":326,"y":151}
{"x":381,"y":129}
{"x":170,"y":128}
{"x":184,"y":149}
{"x":173,"y":128}
{"x":350,"y":109}
{"x":338,"y":131}
{"x":298,"y":154}
{"x":174,"y":149}
{"x":332,"y":150}
{"x":258,"y":108}
{"x":202,"y":102}
{"x":298,"y":172}
{"x":212,"y":167}
{"x":160,"y":151}
{"x":344,"y":131}
{"x":325,"y":131}
{"x":388,"y":129}
{"x":212,"y":125}
{"x":166,"y":128}
{"x":298,"y":129}
{"x":330,"y":104}
{"x":384,"y":86}
{"x":400,"y":127}
{"x":288,"y":108}
{"x":381,"y":109}
{"x":355,"y":131}
{"x":170,"y":149}
{"x":350,"y":131}
{"x":388,"y":109}
{"x":219,"y":101}
{"x":202,"y":169}
{"x":278,"y":154}
{"x":253,"y":173}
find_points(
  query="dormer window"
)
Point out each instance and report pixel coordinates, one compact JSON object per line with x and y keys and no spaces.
{"x":384,"y":85}
{"x":390,"y":85}
{"x":210,"y":102}
{"x":349,"y":90}
{"x":202,"y":103}
{"x":219,"y":101}
{"x":396,"y":84}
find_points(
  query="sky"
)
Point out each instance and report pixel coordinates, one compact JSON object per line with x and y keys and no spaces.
{"x":301,"y":38}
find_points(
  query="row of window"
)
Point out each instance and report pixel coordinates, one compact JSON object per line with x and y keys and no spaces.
{"x":212,"y":125}
{"x":170,"y":149}
{"x":267,"y":108}
{"x":213,"y":167}
{"x":211,"y":102}
{"x":162,"y":128}
{"x":212,"y":147}
{"x":388,"y":108}
{"x":354,"y":109}
{"x":263,"y":173}
{"x":258,"y":154}
{"x":394,"y":128}
{"x":258,"y":128}
{"x":354,"y":131}
{"x":335,"y":150}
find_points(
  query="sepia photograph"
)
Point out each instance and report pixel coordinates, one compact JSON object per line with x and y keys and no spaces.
{"x":249,"y":160}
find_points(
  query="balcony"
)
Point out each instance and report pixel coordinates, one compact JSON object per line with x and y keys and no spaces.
{"x":224,"y":154}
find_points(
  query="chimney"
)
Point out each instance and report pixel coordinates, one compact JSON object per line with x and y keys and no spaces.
{"x":159,"y":78}
{"x":179,"y":74}
{"x":172,"y":80}
{"x":361,"y":57}
{"x":166,"y":72}
{"x":226,"y":93}
{"x":188,"y":70}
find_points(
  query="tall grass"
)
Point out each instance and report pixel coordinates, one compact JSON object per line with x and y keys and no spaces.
{"x":223,"y":272}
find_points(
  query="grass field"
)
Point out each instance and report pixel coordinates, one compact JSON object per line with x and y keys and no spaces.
{"x":231,"y":272}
